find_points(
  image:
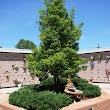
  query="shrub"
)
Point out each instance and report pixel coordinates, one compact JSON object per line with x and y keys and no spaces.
{"x":48,"y":81}
{"x":44,"y":100}
{"x":47,"y":84}
{"x":89,"y":90}
{"x":77,"y":81}
{"x":33,"y":87}
{"x":40,"y":87}
{"x":47,"y":100}
{"x":21,"y":98}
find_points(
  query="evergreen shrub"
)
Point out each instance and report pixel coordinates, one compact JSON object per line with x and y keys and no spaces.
{"x":45,"y":100}
{"x":89,"y":90}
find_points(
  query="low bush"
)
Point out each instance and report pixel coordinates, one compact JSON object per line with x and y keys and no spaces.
{"x":48,"y":81}
{"x":35,"y":97}
{"x":89,"y":90}
{"x":45,"y":100}
{"x":47,"y":84}
{"x":21,"y":98}
{"x":34,"y":87}
{"x":77,"y":81}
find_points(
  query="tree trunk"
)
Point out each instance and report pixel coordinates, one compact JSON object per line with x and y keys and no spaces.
{"x":57,"y":84}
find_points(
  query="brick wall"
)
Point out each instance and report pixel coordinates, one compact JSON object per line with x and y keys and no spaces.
{"x":98,"y":71}
{"x":99,"y":103}
{"x":7,"y":61}
{"x":104,"y":105}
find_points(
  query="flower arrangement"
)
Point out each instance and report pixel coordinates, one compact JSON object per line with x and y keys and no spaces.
{"x":91,"y":79}
{"x":24,"y":67}
{"x":92,"y":57}
{"x":24,"y":59}
{"x":107,"y":57}
{"x":99,"y":56}
{"x":15,"y":66}
{"x":7,"y":75}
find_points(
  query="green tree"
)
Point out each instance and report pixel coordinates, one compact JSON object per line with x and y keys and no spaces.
{"x":25,"y":44}
{"x":59,"y":43}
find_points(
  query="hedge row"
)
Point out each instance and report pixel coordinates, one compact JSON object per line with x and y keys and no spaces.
{"x":45,"y":100}
{"x":89,"y":90}
{"x":36,"y":97}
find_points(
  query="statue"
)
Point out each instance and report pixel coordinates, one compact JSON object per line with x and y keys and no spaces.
{"x":71,"y":90}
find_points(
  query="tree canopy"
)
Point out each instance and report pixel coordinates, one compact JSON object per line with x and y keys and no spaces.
{"x":59,"y":37}
{"x":25,"y":44}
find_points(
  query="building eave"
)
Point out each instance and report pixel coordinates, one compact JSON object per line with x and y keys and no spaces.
{"x":15,"y":50}
{"x":29,"y":51}
{"x":94,"y":50}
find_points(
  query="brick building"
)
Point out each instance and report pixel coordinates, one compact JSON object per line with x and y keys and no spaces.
{"x":13,"y":68}
{"x":98,"y":65}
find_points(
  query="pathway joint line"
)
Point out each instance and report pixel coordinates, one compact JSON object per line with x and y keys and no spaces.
{"x":3,"y":100}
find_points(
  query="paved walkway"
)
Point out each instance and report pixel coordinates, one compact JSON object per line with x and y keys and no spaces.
{"x":104,"y":86}
{"x":4,"y":95}
{"x":4,"y":104}
{"x":8,"y":90}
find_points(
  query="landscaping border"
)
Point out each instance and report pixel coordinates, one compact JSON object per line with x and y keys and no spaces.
{"x":99,"y":103}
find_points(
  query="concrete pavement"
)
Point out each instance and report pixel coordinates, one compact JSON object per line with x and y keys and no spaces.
{"x":104,"y":86}
{"x":8,"y":90}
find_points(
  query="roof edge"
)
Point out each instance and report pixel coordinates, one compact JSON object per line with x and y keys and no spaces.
{"x":14,"y":50}
{"x":94,"y":50}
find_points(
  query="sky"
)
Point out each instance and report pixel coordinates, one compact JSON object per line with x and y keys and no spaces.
{"x":18,"y":21}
